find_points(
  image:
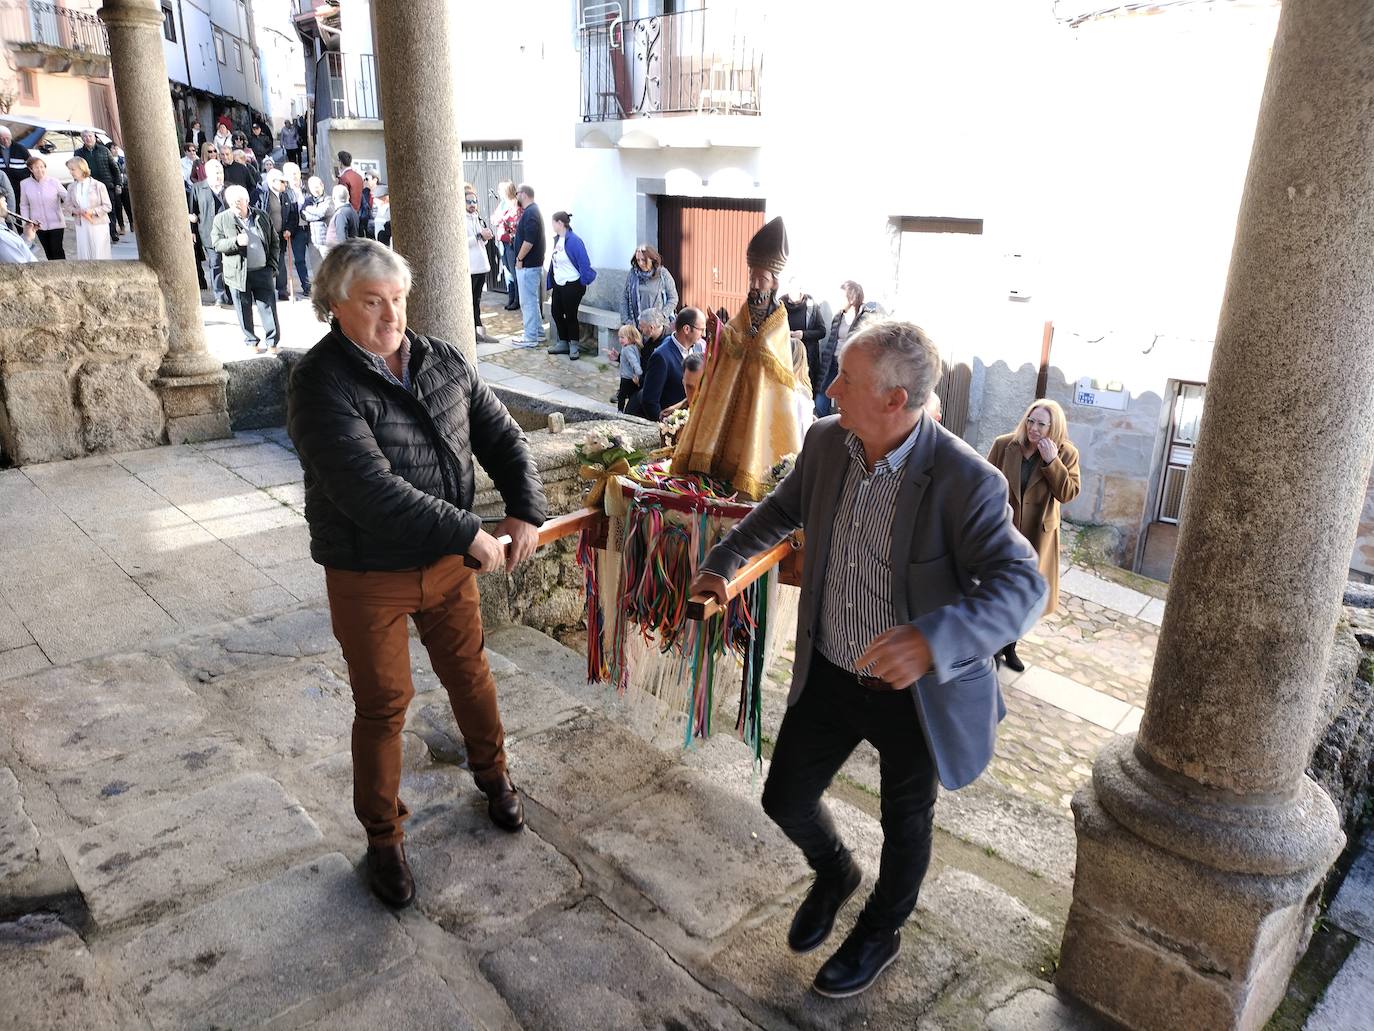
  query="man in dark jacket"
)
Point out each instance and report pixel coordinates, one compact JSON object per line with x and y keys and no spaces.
{"x":529,"y":265}
{"x":260,"y":142}
{"x":284,"y":214}
{"x":14,"y":162}
{"x":389,"y":427}
{"x":808,"y":329}
{"x":252,"y":251}
{"x":103,"y":168}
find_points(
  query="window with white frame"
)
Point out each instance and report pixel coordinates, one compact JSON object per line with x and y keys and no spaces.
{"x":219,"y":47}
{"x":238,"y":56}
{"x":169,"y":22}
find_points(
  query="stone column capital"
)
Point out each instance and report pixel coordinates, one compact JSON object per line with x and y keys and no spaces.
{"x":131,"y":12}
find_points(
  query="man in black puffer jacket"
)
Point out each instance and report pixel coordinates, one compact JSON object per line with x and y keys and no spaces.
{"x":388,"y":426}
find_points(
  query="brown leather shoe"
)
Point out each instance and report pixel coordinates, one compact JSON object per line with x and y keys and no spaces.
{"x":388,"y":874}
{"x":503,"y":802}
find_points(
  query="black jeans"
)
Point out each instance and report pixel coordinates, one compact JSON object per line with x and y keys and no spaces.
{"x":818,"y":734}
{"x":51,"y":239}
{"x":261,"y":289}
{"x":214,"y":275}
{"x":478,"y":279}
{"x":300,"y":244}
{"x":563,"y":308}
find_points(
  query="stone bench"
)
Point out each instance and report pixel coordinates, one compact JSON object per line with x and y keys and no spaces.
{"x":599,"y":311}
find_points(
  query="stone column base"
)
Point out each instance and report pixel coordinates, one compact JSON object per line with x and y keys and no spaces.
{"x":1199,"y":928}
{"x":196,"y":407}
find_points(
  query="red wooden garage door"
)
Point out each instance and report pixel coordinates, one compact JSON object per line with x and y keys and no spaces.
{"x":702,"y":240}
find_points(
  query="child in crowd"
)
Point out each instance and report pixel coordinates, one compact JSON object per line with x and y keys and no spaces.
{"x":631,"y":367}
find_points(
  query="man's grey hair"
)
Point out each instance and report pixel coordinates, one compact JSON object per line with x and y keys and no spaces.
{"x":273,"y":177}
{"x":352,"y":260}
{"x":903,"y":356}
{"x":341,"y":194}
{"x":5,"y":131}
{"x":233,"y":193}
{"x":212,"y":166}
{"x":653,"y":319}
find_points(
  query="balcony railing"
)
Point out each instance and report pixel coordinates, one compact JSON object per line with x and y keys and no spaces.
{"x":346,"y":86}
{"x":693,"y":61}
{"x":33,"y":21}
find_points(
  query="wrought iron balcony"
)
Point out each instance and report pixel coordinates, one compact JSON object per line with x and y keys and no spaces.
{"x":691,"y":62}
{"x":46,"y":37}
{"x":346,"y":86}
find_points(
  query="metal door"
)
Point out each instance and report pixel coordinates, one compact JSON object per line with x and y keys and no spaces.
{"x":486,"y":165}
{"x":703,"y":240}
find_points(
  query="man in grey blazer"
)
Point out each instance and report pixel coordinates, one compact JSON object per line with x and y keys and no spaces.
{"x":914,"y":577}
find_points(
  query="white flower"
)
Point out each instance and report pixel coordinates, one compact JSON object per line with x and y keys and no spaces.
{"x":595,"y":442}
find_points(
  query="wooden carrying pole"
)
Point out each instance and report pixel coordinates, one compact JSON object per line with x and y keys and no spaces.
{"x":704,"y":606}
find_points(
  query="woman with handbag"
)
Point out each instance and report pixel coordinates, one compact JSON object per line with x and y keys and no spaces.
{"x":505,"y":218}
{"x":478,"y":262}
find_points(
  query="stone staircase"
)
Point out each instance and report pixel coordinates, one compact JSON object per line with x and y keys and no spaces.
{"x":178,"y":849}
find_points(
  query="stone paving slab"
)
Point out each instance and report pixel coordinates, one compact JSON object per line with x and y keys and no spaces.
{"x":18,"y":836}
{"x":159,"y":856}
{"x":1025,"y":833}
{"x":587,"y":969}
{"x":1042,"y":1009}
{"x":149,"y":776}
{"x":1153,"y":612}
{"x":702,"y":855}
{"x":82,"y":633}
{"x":1353,"y":908}
{"x":1348,"y":1004}
{"x":256,"y":954}
{"x":16,"y":662}
{"x":1097,"y":708}
{"x":74,"y":716}
{"x":477,"y":880}
{"x":51,"y":980}
{"x":1104,"y":592}
{"x":567,"y":770}
{"x":297,"y":709}
{"x":410,"y":996}
{"x":758,"y":963}
{"x":1004,"y":925}
{"x":12,"y":631}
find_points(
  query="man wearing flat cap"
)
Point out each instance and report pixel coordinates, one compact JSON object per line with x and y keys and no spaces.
{"x":745,"y":417}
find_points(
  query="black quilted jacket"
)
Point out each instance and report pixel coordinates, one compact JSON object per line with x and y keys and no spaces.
{"x":389,"y":474}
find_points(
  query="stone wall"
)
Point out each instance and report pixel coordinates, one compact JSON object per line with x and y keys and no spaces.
{"x":80,"y":344}
{"x":1116,"y":449}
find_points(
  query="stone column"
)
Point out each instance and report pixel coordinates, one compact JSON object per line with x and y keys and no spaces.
{"x":1201,"y":843}
{"x":417,"y":81}
{"x":191,"y":382}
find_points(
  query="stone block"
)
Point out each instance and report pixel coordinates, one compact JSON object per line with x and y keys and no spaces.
{"x":187,"y":399}
{"x":994,"y":922}
{"x":409,"y":995}
{"x":1024,"y":833}
{"x":152,"y":859}
{"x":1353,"y":908}
{"x":297,"y":709}
{"x":40,"y":422}
{"x":1039,"y":1009}
{"x":53,"y":982}
{"x":1155,"y":940}
{"x":759,"y":964}
{"x":120,"y":626}
{"x":567,"y":770}
{"x":18,"y":836}
{"x":259,"y":953}
{"x":150,"y":776}
{"x":256,"y":392}
{"x":703,"y":855}
{"x":79,"y":715}
{"x":36,"y":597}
{"x":586,"y":968}
{"x":119,"y":411}
{"x":474,"y":879}
{"x":1349,"y":999}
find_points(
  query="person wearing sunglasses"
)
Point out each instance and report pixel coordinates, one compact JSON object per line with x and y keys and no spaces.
{"x":1041,"y":468}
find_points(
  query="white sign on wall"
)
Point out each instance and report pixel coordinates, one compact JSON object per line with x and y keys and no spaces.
{"x":1109,"y":395}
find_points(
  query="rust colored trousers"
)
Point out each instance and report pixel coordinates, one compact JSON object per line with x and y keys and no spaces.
{"x":369,"y":612}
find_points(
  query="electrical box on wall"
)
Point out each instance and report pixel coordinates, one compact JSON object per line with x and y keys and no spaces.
{"x":1089,"y":393}
{"x":1017,"y":269}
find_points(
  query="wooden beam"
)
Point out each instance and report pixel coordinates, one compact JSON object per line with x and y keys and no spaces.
{"x":704,"y":606}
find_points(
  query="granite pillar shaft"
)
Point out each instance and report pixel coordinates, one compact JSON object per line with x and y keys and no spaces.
{"x":191,"y":381}
{"x":1202,"y":842}
{"x":417,"y":80}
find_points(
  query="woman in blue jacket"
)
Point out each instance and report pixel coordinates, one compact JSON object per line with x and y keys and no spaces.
{"x":570,"y":273}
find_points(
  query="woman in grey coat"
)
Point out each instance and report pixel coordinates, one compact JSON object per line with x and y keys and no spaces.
{"x":648,"y":287}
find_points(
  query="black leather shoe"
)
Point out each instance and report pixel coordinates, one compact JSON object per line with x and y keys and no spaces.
{"x":816,"y":915}
{"x":1012,"y":660}
{"x":388,"y":874}
{"x":512,"y":307}
{"x":503,"y":803}
{"x":857,"y":963}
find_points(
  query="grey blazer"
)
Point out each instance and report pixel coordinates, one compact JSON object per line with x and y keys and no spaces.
{"x":961,"y":574}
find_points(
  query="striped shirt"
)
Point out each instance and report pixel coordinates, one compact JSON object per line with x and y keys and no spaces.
{"x":857,"y":602}
{"x":379,"y":363}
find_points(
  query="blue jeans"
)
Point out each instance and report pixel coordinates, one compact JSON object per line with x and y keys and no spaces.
{"x":528,"y":279}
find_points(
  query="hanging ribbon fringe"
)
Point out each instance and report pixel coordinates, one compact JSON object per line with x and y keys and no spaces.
{"x":667,"y":531}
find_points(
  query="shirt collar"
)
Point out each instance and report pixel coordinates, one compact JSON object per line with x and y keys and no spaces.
{"x":894,"y":460}
{"x":379,"y":363}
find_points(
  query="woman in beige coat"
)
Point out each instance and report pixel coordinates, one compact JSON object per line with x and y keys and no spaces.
{"x":1041,"y":468}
